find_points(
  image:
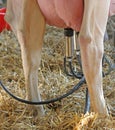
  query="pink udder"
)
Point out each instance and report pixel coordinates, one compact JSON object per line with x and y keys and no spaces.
{"x":62,"y":13}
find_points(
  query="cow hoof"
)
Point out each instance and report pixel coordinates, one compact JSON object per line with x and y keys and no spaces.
{"x":36,"y":111}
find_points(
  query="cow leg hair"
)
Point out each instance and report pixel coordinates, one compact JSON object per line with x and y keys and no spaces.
{"x":91,"y":45}
{"x":29,"y":27}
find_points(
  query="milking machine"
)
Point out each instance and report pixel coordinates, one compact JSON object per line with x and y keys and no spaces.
{"x":72,"y":54}
{"x":72,"y":67}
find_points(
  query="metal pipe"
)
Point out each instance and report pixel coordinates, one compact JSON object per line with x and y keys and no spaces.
{"x":68,"y":32}
{"x":69,"y":47}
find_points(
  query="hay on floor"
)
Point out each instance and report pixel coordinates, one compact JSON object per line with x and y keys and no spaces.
{"x":63,"y":115}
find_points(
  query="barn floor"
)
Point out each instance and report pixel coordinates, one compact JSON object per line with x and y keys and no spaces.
{"x":63,"y":115}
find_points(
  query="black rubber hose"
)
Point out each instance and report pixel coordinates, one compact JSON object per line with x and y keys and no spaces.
{"x":87,"y":102}
{"x":76,"y":87}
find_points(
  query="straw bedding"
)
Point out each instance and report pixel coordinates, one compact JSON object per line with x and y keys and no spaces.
{"x":63,"y":115}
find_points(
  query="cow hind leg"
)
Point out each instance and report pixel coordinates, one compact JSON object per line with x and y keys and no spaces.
{"x":31,"y":59}
{"x":29,"y":27}
{"x":91,"y":46}
{"x":31,"y":38}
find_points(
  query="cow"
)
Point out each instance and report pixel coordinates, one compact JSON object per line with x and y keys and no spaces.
{"x":28,"y":19}
{"x":2,"y":2}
